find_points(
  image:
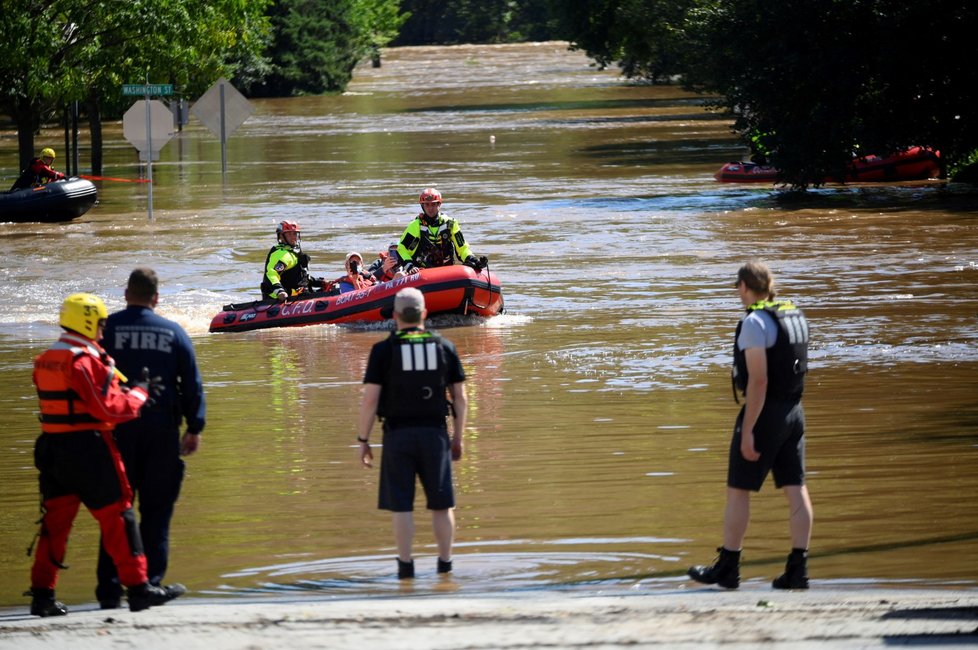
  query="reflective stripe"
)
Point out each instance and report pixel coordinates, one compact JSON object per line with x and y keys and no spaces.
{"x":797,"y":328}
{"x":419,"y":356}
{"x":78,"y":418}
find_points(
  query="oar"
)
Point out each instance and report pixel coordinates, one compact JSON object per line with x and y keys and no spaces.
{"x":117,"y":180}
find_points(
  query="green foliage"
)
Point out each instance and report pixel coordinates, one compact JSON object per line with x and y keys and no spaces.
{"x":317,"y":43}
{"x":815,"y":82}
{"x":644,"y":37}
{"x":52,"y":53}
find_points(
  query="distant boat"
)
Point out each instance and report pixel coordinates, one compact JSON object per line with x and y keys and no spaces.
{"x":56,"y":201}
{"x":916,"y":163}
{"x":454,"y":289}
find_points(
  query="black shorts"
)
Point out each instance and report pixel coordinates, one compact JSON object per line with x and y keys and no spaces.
{"x":779,"y":436}
{"x":409,"y":452}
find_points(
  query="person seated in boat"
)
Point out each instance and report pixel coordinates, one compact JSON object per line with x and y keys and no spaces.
{"x":433,"y":239}
{"x":388,"y":265}
{"x":38,"y":171}
{"x":286,"y":270}
{"x":357,"y":278}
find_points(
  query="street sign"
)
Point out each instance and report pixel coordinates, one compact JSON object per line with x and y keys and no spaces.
{"x":151,"y":138}
{"x":222,"y":109}
{"x":148,"y":125}
{"x":155,"y":90}
{"x":222,"y":95}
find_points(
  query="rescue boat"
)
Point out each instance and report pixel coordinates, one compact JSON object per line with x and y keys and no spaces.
{"x":56,"y":201}
{"x":915,"y":163}
{"x":455,"y":289}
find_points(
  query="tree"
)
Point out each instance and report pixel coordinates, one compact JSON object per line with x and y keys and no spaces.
{"x":820,"y":81}
{"x":52,"y":53}
{"x":644,"y":37}
{"x":317,"y":43}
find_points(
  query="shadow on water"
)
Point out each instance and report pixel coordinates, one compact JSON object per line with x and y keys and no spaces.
{"x":910,"y":196}
{"x":664,"y":153}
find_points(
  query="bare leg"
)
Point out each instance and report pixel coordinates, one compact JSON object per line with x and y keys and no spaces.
{"x":735,"y":518}
{"x":404,"y":534}
{"x":443,"y":523}
{"x":800,"y":515}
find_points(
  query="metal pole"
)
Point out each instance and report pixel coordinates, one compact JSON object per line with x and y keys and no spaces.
{"x":74,"y":137}
{"x":67,"y":123}
{"x":224,"y":141}
{"x":149,"y":154}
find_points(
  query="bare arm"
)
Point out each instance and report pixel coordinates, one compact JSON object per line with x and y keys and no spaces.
{"x":756,"y":392}
{"x":368,"y":413}
{"x":460,"y":403}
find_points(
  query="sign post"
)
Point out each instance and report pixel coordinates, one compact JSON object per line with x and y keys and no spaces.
{"x":222,"y":109}
{"x":148,"y":126}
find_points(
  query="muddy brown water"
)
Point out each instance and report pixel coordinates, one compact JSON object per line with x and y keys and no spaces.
{"x":600,"y":401}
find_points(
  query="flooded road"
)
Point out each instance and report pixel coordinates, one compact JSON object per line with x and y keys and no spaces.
{"x":601,"y":402}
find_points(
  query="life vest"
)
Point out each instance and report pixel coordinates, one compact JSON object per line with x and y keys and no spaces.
{"x":32,"y":175}
{"x":787,"y":360}
{"x":62,"y":410}
{"x":293,"y":279}
{"x":415,"y":388}
{"x":435,"y":246}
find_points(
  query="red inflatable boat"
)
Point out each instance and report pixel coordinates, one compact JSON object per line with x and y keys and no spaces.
{"x":447,"y":290}
{"x":916,"y":163}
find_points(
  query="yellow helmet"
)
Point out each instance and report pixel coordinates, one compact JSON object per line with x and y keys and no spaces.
{"x":82,"y":312}
{"x":48,"y":152}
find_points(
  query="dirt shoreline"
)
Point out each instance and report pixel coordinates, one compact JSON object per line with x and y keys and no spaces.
{"x":820,"y":618}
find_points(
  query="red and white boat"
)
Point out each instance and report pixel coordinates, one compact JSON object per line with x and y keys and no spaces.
{"x":916,"y":163}
{"x":447,"y":290}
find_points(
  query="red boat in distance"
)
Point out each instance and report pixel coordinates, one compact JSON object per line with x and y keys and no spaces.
{"x":916,"y":163}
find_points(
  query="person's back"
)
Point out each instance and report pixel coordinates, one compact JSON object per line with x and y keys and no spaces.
{"x":137,"y":337}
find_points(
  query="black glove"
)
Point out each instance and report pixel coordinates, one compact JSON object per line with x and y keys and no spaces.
{"x":152,"y":385}
{"x":476,"y":263}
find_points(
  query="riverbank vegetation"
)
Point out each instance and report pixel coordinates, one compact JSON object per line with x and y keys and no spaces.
{"x":808,"y":84}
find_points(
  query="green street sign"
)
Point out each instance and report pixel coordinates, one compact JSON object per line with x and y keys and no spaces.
{"x":147,"y":89}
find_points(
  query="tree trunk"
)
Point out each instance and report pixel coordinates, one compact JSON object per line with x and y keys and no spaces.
{"x":26,"y":123}
{"x":94,"y":111}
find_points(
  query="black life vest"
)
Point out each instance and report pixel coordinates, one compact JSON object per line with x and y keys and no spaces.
{"x":415,"y":388}
{"x":787,"y":361}
{"x":28,"y":177}
{"x":436,"y":248}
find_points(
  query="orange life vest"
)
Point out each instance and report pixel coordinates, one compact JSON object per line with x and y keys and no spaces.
{"x":62,"y":410}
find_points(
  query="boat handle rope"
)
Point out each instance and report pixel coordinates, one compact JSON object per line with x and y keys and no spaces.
{"x":489,"y":284}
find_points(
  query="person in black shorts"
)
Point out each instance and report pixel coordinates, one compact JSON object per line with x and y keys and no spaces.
{"x":770,"y":363}
{"x":413,"y":380}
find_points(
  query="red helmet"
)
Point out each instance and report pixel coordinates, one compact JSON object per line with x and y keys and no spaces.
{"x":430,"y":195}
{"x":287,"y":226}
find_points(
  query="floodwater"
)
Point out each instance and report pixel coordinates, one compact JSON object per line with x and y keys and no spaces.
{"x":600,"y":401}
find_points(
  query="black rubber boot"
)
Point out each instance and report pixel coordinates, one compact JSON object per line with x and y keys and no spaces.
{"x":725,"y":571}
{"x":443,"y":566}
{"x":146,"y":595}
{"x":43,"y":603}
{"x":405,"y":569}
{"x":795,"y":574}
